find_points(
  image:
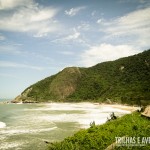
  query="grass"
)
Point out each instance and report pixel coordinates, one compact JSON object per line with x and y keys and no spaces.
{"x":101,"y":136}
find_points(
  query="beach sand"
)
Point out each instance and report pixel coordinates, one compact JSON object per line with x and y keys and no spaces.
{"x":123,"y":107}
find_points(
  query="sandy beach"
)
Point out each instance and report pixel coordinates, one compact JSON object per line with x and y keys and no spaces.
{"x":123,"y":107}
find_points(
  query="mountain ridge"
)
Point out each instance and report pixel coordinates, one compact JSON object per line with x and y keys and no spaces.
{"x":124,"y":80}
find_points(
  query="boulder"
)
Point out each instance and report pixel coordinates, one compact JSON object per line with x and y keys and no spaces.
{"x":146,"y":112}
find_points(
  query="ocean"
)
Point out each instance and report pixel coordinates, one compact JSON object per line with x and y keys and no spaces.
{"x":27,"y":126}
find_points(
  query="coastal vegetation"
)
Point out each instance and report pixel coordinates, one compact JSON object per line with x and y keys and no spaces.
{"x":99,"y":137}
{"x":125,"y":81}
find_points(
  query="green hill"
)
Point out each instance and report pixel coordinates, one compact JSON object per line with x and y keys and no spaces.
{"x":125,"y":80}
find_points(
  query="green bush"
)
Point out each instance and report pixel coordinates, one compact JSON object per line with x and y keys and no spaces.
{"x":100,"y":137}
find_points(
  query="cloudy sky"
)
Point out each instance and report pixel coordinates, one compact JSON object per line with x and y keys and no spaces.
{"x":39,"y":38}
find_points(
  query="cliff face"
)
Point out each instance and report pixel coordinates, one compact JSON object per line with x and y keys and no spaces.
{"x":125,"y":80}
{"x":64,"y":84}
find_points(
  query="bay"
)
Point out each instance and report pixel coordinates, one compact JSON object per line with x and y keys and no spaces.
{"x":27,"y":126}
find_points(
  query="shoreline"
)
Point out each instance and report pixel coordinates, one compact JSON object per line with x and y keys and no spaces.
{"x":125,"y":107}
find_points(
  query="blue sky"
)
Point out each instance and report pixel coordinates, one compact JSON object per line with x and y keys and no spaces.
{"x":39,"y":38}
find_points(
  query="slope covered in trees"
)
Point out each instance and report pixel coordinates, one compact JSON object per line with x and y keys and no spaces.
{"x":125,"y":80}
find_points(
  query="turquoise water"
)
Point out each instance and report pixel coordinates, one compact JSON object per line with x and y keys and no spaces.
{"x":27,"y":126}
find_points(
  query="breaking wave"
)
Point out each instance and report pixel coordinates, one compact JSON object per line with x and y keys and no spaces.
{"x":2,"y":124}
{"x":23,"y":131}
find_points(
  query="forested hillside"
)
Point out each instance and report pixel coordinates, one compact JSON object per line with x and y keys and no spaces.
{"x":125,"y":80}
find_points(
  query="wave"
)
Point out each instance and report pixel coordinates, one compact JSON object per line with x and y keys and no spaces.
{"x":65,"y":107}
{"x":2,"y":124}
{"x":10,"y":145}
{"x":84,"y":107}
{"x":80,"y":113}
{"x":25,"y":131}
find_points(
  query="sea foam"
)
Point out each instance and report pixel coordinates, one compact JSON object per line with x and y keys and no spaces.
{"x":2,"y":125}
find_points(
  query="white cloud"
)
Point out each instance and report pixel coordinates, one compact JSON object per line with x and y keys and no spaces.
{"x":105,"y":52}
{"x":99,"y":21}
{"x":133,"y":1}
{"x":142,"y":1}
{"x":136,"y":24}
{"x":74,"y":11}
{"x":33,"y":19}
{"x":130,"y":23}
{"x":74,"y":36}
{"x":10,"y":4}
{"x":84,"y":26}
{"x":18,"y":65}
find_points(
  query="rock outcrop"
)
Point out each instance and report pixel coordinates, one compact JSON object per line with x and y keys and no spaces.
{"x":146,"y":112}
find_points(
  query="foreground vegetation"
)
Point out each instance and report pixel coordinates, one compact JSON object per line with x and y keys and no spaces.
{"x":100,"y":137}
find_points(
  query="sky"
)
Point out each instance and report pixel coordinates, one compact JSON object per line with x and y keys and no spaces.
{"x":39,"y":38}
